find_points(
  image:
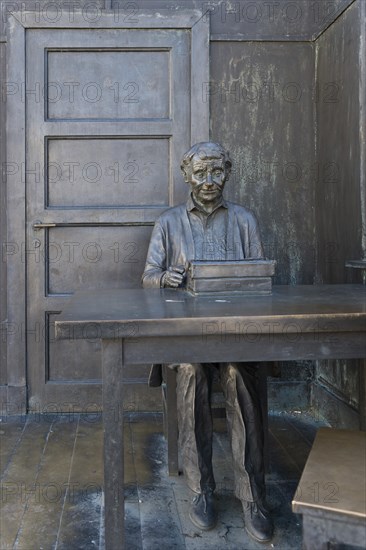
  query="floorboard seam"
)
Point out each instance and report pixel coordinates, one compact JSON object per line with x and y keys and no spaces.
{"x":15,"y":448}
{"x":132,"y":443}
{"x":35,"y":481}
{"x":285,"y":451}
{"x":68,"y":483}
{"x":178,"y":514}
{"x":292,"y":424}
{"x":101,"y":524}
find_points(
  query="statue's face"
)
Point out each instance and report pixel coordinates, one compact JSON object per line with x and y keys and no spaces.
{"x":207,"y":179}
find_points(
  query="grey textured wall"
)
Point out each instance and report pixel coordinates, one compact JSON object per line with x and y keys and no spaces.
{"x":337,"y":196}
{"x":279,"y":20}
{"x":338,"y":211}
{"x":3,"y":364}
{"x":262,"y":110}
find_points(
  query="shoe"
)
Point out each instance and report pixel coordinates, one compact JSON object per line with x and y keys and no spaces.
{"x":203,"y":512}
{"x":258,"y":523}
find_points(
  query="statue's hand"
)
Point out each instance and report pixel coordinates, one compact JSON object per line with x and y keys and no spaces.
{"x":173,"y":277}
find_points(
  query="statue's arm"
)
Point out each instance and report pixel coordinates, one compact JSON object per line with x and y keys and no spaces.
{"x":155,"y":266}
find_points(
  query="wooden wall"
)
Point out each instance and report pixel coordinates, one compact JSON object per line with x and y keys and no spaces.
{"x":271,"y":90}
{"x":3,"y":308}
{"x":339,"y":196}
{"x":263,"y":112}
{"x":338,"y":213}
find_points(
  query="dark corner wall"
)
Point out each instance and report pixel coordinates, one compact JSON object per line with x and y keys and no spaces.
{"x":340,"y":208}
{"x":3,"y":308}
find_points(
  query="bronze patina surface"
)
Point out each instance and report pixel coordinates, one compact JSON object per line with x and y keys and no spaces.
{"x":337,"y":458}
{"x":302,"y":308}
{"x":331,"y":494}
{"x":164,"y":325}
{"x":244,"y":277}
{"x":209,"y":229}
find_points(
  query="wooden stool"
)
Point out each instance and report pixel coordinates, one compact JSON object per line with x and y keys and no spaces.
{"x":171,"y":417}
{"x":331,"y":494}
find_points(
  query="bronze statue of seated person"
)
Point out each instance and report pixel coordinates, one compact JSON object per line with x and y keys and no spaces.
{"x":207,"y":227}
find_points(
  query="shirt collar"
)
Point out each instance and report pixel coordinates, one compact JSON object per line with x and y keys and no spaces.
{"x":191,"y":205}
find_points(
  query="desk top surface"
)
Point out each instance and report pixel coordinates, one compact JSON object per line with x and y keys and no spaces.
{"x":334,"y":477}
{"x":338,"y":307}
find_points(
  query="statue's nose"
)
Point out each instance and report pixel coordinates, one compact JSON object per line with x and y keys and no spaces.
{"x":209,"y":178}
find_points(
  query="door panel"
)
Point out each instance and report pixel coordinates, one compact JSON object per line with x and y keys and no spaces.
{"x":108,"y":118}
{"x":107,"y":172}
{"x":94,"y":257}
{"x":81,"y":82}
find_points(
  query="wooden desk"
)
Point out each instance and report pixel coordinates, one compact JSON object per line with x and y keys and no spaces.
{"x":165,"y":326}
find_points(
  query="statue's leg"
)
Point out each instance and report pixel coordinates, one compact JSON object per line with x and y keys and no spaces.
{"x":240,"y":385}
{"x":195,"y":425}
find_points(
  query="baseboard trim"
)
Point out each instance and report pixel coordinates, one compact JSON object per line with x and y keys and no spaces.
{"x":13,"y":400}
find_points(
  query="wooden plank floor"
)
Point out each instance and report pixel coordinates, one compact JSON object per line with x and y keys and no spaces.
{"x":52,"y":486}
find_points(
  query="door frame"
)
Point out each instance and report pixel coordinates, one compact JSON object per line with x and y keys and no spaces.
{"x":16,"y":253}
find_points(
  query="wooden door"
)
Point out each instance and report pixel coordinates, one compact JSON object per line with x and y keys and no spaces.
{"x":108,"y":116}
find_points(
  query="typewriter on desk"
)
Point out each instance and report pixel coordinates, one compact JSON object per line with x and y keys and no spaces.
{"x":244,"y":277}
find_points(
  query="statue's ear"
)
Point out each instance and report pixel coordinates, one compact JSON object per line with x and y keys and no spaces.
{"x":184,"y":170}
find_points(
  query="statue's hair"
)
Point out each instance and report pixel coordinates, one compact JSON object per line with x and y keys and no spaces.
{"x":206,"y":149}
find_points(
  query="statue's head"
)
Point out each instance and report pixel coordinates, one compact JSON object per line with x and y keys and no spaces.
{"x":206,"y":167}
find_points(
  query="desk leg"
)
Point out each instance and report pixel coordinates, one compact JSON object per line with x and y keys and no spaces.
{"x":112,"y":366}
